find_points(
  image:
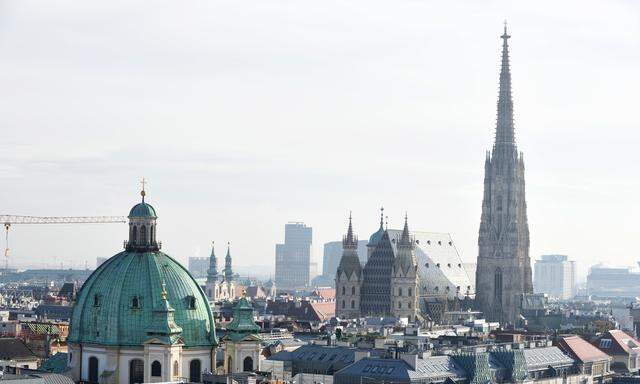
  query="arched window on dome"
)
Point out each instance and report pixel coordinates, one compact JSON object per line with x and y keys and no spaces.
{"x":156,"y":369}
{"x":135,"y":302}
{"x":96,"y":300}
{"x":143,"y":235}
{"x":176,"y":369}
{"x":191,"y":302}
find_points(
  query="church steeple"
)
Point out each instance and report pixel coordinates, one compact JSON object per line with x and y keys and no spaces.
{"x":228,"y":271}
{"x":504,"y":124}
{"x":405,"y":237}
{"x":350,"y":241}
{"x":212,"y":272}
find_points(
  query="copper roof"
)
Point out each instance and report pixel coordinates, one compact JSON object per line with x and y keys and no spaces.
{"x":582,"y":349}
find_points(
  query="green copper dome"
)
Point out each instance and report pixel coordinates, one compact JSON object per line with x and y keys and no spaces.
{"x":143,"y":210}
{"x":123,"y":303}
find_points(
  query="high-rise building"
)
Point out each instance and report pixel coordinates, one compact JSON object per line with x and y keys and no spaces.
{"x":555,"y":275}
{"x":198,"y":266}
{"x":610,"y":282}
{"x":333,"y":253}
{"x":503,"y":273}
{"x":293,"y":258}
{"x":100,"y":261}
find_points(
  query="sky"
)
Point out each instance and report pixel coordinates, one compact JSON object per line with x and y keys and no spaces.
{"x":245,"y":115}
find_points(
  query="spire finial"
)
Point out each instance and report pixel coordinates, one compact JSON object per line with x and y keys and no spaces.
{"x":144,"y":184}
{"x":386,"y":223}
{"x":381,"y":216}
{"x":505,"y":36}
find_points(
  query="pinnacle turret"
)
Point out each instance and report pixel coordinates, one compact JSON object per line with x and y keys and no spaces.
{"x":228,"y":270}
{"x":212,"y":272}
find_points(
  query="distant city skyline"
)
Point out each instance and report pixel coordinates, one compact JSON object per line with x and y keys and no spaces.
{"x":245,"y":118}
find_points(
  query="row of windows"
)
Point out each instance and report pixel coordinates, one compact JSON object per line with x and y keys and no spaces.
{"x":143,"y":234}
{"x":409,"y":291}
{"x":136,"y":370}
{"x":426,"y":265}
{"x":400,"y":305}
{"x":190,"y":302}
{"x":353,"y":304}
{"x":353,"y":290}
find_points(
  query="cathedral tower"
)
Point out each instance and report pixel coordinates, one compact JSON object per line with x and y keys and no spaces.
{"x":212,"y":276}
{"x":404,"y":278}
{"x":504,"y":269}
{"x":348,"y":278}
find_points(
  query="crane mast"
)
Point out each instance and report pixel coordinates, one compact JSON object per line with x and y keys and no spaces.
{"x":9,"y":220}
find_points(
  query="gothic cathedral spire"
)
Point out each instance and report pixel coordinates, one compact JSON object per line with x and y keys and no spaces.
{"x":504,"y":124}
{"x":212,"y":272}
{"x":503,"y":274}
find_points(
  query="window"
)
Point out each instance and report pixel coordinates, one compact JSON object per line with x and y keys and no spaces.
{"x":96,"y":300}
{"x":191,"y":302}
{"x":247,"y":364}
{"x":136,"y":371}
{"x":409,"y":292}
{"x":176,"y":369}
{"x":143,"y":235}
{"x":426,"y":265}
{"x":156,"y":369}
{"x":194,"y":371}
{"x":399,"y":304}
{"x":353,"y":290}
{"x":353,"y":304}
{"x":409,"y":305}
{"x":134,"y":233}
{"x":438,"y":265}
{"x":93,"y":369}
{"x":497,"y":285}
{"x":343,"y":304}
{"x":135,"y":303}
{"x":343,"y":290}
{"x":399,"y":291}
{"x":605,"y":343}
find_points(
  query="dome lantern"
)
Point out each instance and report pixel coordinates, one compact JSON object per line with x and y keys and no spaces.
{"x":142,"y":226}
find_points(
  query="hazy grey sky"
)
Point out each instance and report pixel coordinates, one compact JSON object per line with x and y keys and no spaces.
{"x":244,"y":115}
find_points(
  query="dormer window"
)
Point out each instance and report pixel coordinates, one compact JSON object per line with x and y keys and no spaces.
{"x":191,"y":302}
{"x":135,"y":302}
{"x":96,"y":300}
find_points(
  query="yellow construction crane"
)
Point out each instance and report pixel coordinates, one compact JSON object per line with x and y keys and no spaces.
{"x":9,"y":220}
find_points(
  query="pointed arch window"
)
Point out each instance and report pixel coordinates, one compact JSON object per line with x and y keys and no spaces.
{"x":497,"y":285}
{"x":343,"y":290}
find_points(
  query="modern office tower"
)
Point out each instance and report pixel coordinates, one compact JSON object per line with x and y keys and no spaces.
{"x":293,"y":258}
{"x":555,"y":275}
{"x":613,"y":282}
{"x":503,"y":274}
{"x":333,"y":253}
{"x":198,"y":266}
